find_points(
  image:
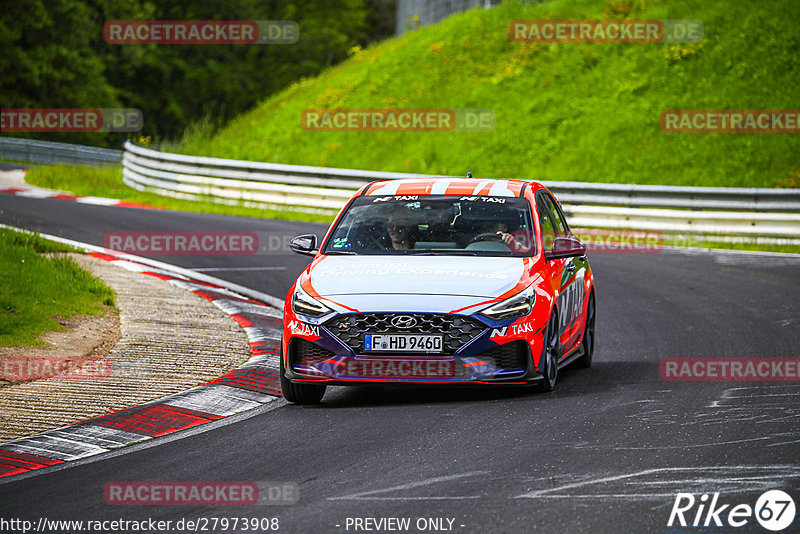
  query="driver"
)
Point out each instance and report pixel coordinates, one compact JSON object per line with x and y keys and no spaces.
{"x":400,"y":229}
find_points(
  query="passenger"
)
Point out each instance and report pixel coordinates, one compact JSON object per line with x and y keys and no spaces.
{"x":501,"y":229}
{"x":482,"y":222}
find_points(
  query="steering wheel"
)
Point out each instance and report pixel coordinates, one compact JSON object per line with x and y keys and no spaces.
{"x":486,"y":236}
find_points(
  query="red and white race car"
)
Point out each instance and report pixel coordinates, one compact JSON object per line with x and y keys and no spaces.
{"x":439,"y":281}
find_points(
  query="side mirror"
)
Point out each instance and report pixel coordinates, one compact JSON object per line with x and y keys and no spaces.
{"x":565,"y":247}
{"x":304,"y":244}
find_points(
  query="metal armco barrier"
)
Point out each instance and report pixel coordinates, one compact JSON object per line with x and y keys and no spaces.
{"x":722,"y":223}
{"x":724,"y":211}
{"x":34,"y":151}
{"x":669,"y":196}
{"x":721,"y":211}
{"x":249,"y":181}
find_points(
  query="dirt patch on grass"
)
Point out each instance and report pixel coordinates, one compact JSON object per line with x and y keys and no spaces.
{"x":86,"y":338}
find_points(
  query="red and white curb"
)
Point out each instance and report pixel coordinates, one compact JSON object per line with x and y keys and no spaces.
{"x":249,"y":386}
{"x":35,"y":192}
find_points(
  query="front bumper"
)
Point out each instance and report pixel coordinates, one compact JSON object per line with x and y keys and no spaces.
{"x":490,"y":354}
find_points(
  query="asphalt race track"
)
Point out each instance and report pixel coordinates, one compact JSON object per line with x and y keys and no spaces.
{"x":607,"y":452}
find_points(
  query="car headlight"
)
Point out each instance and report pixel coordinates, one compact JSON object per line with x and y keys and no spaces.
{"x":513,"y":307}
{"x":305,"y":304}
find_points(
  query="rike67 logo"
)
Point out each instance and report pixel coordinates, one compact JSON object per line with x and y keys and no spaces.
{"x":774,"y":510}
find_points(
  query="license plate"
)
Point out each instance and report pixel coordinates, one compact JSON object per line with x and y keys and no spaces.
{"x":402,"y":343}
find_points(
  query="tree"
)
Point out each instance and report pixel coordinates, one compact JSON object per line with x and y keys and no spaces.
{"x":55,"y":56}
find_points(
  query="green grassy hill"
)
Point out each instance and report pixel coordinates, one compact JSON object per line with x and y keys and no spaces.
{"x":567,"y":111}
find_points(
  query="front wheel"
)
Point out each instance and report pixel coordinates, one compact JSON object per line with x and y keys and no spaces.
{"x":300,"y":393}
{"x":550,"y":355}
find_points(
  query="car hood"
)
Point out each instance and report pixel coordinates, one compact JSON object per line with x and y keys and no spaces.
{"x":460,"y":276}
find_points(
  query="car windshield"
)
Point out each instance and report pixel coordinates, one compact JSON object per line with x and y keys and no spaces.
{"x":435,"y":224}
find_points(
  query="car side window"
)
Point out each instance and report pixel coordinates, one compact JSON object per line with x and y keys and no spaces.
{"x":558,"y":219}
{"x":545,"y":221}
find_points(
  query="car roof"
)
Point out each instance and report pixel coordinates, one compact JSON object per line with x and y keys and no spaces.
{"x":485,"y":187}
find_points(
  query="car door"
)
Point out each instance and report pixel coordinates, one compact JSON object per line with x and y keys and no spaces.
{"x":569,"y":275}
{"x":554,"y":269}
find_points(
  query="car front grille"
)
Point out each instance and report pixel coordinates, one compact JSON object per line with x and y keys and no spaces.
{"x":457,"y":330}
{"x":512,"y":355}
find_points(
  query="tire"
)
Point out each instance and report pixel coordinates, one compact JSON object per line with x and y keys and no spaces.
{"x":587,"y":343}
{"x":300,"y":393}
{"x":550,"y":356}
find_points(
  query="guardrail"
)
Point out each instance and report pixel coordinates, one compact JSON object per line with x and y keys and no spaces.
{"x":666,"y":196}
{"x":249,"y":181}
{"x":720,"y":223}
{"x":35,"y":151}
{"x":718,"y":211}
{"x":694,"y":210}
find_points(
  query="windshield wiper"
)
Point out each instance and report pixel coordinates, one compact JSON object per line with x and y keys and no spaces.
{"x":339,"y":253}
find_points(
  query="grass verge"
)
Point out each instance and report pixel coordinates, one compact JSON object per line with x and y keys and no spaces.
{"x":38,"y":289}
